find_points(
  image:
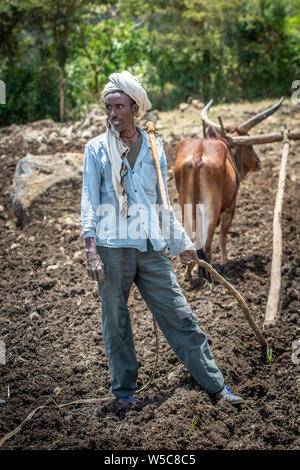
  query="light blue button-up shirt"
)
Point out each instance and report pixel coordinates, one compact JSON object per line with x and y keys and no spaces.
{"x":100,"y":215}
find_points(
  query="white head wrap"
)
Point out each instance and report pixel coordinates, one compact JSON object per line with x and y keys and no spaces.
{"x":130,"y":85}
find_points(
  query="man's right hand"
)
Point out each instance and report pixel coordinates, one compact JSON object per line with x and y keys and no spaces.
{"x":94,"y":265}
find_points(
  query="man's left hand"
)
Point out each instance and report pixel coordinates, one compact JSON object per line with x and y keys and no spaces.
{"x":188,"y":256}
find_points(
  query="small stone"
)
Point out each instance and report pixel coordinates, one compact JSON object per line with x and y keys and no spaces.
{"x":52,"y":267}
{"x":14,"y":245}
{"x":171,"y":375}
{"x":183,"y":107}
{"x":77,"y":255}
{"x":34,"y":315}
{"x":197,"y":104}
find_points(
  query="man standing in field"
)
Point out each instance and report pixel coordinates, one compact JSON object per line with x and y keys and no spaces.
{"x":121,"y":226}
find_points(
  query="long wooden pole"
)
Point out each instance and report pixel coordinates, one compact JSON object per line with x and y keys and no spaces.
{"x":274,"y":292}
{"x":151,"y":135}
{"x":240,"y":300}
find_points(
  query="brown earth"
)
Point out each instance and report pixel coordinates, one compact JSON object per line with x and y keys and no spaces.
{"x":51,"y":323}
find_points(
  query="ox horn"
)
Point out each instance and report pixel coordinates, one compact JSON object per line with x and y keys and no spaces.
{"x":208,"y":122}
{"x":247,"y":125}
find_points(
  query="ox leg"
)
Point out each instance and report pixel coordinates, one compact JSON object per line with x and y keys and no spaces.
{"x":206,"y":224}
{"x":206,"y":255}
{"x":188,"y":271}
{"x":186,"y":207}
{"x":225,"y":224}
{"x":201,"y":235}
{"x":202,"y":273}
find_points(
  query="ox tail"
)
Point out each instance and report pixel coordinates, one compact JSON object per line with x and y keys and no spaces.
{"x":197,"y":163}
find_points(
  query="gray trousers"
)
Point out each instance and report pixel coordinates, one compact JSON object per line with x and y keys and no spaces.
{"x":154,"y":276}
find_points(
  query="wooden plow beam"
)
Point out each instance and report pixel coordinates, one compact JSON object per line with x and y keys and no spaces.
{"x":261,"y":138}
{"x":275,"y":283}
{"x":259,"y":335}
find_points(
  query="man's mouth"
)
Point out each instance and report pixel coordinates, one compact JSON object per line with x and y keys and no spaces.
{"x":116,"y":122}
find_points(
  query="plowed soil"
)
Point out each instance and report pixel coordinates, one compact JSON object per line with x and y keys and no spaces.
{"x":50,"y":321}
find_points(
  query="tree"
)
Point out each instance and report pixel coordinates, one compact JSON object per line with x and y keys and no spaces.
{"x":105,"y":43}
{"x":187,"y":42}
{"x":225,"y":49}
{"x":60,"y":16}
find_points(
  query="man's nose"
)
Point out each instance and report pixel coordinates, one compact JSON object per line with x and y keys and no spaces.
{"x":114,"y":112}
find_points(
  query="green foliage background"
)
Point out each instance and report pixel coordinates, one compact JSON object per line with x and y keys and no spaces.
{"x":229,"y":50}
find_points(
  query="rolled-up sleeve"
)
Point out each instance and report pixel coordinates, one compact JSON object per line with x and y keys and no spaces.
{"x":90,"y":197}
{"x":175,"y":236}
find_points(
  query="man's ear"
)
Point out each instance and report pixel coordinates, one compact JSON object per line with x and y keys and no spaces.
{"x":136,"y":109}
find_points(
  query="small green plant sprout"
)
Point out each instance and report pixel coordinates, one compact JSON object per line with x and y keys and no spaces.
{"x":194,"y":421}
{"x":269,"y":355}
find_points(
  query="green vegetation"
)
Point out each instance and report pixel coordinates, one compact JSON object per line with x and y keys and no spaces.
{"x":190,"y":431}
{"x":55,"y":56}
{"x":269,"y":355}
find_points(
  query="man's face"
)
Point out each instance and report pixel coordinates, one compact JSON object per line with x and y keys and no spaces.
{"x":120,"y":110}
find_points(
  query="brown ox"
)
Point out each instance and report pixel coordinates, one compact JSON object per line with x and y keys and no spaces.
{"x":208,"y":172}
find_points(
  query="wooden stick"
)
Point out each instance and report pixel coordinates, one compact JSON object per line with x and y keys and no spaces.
{"x":204,"y":129}
{"x":262,"y":139}
{"x":18,"y":428}
{"x":151,"y":135}
{"x":222,"y":126}
{"x":240,"y":300}
{"x":274,"y":292}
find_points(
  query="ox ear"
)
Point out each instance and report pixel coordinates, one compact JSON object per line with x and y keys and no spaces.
{"x":250,"y":123}
{"x":211,"y":132}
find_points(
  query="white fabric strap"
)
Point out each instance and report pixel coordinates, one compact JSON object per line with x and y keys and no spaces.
{"x":115,"y":149}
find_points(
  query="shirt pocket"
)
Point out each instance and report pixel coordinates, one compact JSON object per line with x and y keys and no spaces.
{"x":107,"y":184}
{"x":149,"y":177}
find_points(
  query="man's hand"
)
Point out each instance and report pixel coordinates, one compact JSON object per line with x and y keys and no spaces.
{"x":94,"y":265}
{"x":188,"y":256}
